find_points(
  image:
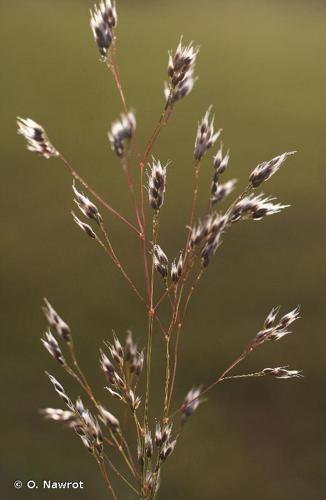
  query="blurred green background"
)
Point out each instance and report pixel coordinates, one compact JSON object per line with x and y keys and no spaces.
{"x":262,"y":66}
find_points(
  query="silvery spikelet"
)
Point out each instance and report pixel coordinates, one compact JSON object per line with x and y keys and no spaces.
{"x":52,"y":346}
{"x":265,"y":170}
{"x":191,"y":403}
{"x":103,"y":20}
{"x":206,"y":135}
{"x":110,"y":420}
{"x":220,"y":162}
{"x":58,"y":415}
{"x":213,"y":230}
{"x":282,"y":372}
{"x":86,"y":206}
{"x":160,"y":260}
{"x":275,"y":330}
{"x":177,"y":269}
{"x":60,"y":390}
{"x":221,"y":191}
{"x":255,"y":207}
{"x":37,"y":140}
{"x":85,"y":227}
{"x":121,"y":132}
{"x":156,"y":184}
{"x":180,"y":72}
{"x":55,"y":321}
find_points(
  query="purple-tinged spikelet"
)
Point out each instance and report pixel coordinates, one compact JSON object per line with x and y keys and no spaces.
{"x":282,"y":372}
{"x":55,"y":321}
{"x":103,"y":20}
{"x":276,"y":329}
{"x":255,"y":207}
{"x":85,"y":227}
{"x":60,"y":390}
{"x":177,"y":269}
{"x":191,"y":403}
{"x":121,"y":132}
{"x":156,"y":184}
{"x":52,"y":346}
{"x":86,"y":206}
{"x":221,"y":191}
{"x":180,"y":72}
{"x":161,"y":261}
{"x":58,"y":415}
{"x":35,"y":135}
{"x":265,"y":170}
{"x":110,"y":420}
{"x":206,"y":135}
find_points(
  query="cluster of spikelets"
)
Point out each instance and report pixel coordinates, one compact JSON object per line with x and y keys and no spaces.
{"x":122,"y":364}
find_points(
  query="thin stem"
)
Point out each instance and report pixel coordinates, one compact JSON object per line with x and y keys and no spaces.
{"x":106,"y":477}
{"x":150,"y":322}
{"x":121,"y":476}
{"x":78,"y":177}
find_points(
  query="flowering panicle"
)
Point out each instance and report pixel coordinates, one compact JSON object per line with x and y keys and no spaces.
{"x":103,"y":20}
{"x":55,"y":321}
{"x":156,"y":184}
{"x":255,"y":207}
{"x":85,"y":227}
{"x":265,"y":170}
{"x":281,"y":372}
{"x":35,"y":135}
{"x":52,"y":346}
{"x":161,"y":262}
{"x":180,"y":72}
{"x":275,"y":330}
{"x":86,"y":206}
{"x":191,"y":403}
{"x":121,"y":132}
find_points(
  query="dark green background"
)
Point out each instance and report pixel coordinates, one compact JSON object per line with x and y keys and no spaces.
{"x":262,"y":66}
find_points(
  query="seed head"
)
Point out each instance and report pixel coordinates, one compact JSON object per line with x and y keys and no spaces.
{"x":55,"y":321}
{"x":180,"y":72}
{"x":52,"y":346}
{"x":35,"y":135}
{"x":121,"y":132}
{"x":281,"y":372}
{"x":156,"y":184}
{"x":265,"y":170}
{"x":206,"y":135}
{"x":85,"y":227}
{"x":86,"y":206}
{"x":255,"y":207}
{"x":103,"y":20}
